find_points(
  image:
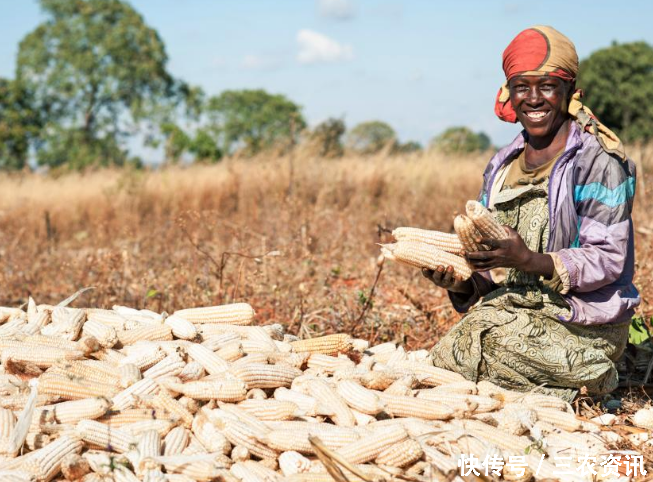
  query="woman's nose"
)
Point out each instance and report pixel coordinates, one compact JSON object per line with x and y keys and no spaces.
{"x":534,"y":96}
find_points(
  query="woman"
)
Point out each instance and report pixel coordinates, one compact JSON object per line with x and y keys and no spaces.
{"x":564,"y":190}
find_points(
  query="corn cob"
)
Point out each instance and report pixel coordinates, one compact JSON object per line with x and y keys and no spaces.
{"x":307,"y":404}
{"x":284,"y":440}
{"x":125,"y":398}
{"x":108,"y":355}
{"x":146,"y":356}
{"x":423,"y":255}
{"x":192,"y":371}
{"x":484,"y":221}
{"x":447,"y":242}
{"x":470,"y":237}
{"x":399,"y":406}
{"x":239,"y":433}
{"x":66,"y":323}
{"x":228,"y":390}
{"x":92,"y":372}
{"x":270,"y":409}
{"x":129,"y":374}
{"x":546,"y":401}
{"x":44,"y":357}
{"x":45,"y":463}
{"x":215,"y":342}
{"x":176,"y":441}
{"x":236,"y":314}
{"x":429,"y":374}
{"x":472,"y":403}
{"x":74,"y":411}
{"x":74,"y":466}
{"x":239,"y":453}
{"x":211,"y":436}
{"x":119,"y":418}
{"x":229,"y":411}
{"x":73,"y":388}
{"x":149,"y":445}
{"x":146,"y":333}
{"x":109,"y":438}
{"x":105,"y":335}
{"x":403,"y":386}
{"x":200,"y":467}
{"x":162,"y":426}
{"x":212,"y":363}
{"x":257,"y":346}
{"x":257,"y":375}
{"x":260,"y":358}
{"x":643,"y":418}
{"x":565,"y":421}
{"x":7,"y":424}
{"x":370,"y":447}
{"x":329,"y":364}
{"x":326,"y":345}
{"x":182,"y":328}
{"x":328,"y":397}
{"x":36,"y":323}
{"x":401,"y":454}
{"x":231,"y":351}
{"x":292,"y":462}
{"x":172,"y":365}
{"x":359,"y":397}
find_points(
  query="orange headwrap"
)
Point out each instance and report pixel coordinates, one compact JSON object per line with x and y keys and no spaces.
{"x":542,"y":50}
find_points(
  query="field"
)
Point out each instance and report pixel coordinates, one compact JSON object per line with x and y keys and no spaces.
{"x":294,"y":236}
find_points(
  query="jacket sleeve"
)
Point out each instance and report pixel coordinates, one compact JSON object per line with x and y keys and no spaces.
{"x":603,"y":197}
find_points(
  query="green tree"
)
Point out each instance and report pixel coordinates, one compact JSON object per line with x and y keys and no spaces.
{"x":370,"y":137}
{"x":327,"y":136}
{"x":19,"y":124}
{"x":407,"y":147}
{"x":204,"y":146}
{"x":618,"y":86}
{"x":461,"y":140}
{"x":96,"y":70}
{"x":253,"y":120}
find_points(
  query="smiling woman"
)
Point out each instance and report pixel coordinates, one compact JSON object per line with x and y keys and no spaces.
{"x":563,"y":191}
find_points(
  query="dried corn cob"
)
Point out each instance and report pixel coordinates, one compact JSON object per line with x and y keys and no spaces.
{"x":236,"y":314}
{"x":399,"y":406}
{"x":401,"y":454}
{"x":326,"y":345}
{"x":228,"y":390}
{"x":329,"y":364}
{"x":469,"y":235}
{"x":109,"y":438}
{"x":484,"y":221}
{"x":170,"y":366}
{"x":643,"y":418}
{"x":297,"y":440}
{"x":257,"y":375}
{"x":74,"y":466}
{"x":105,"y":335}
{"x":74,"y":411}
{"x":44,"y":357}
{"x":370,"y":447}
{"x":176,"y":441}
{"x":328,"y":397}
{"x":125,"y":398}
{"x":210,"y":435}
{"x":182,"y":328}
{"x":211,"y":362}
{"x":270,"y":409}
{"x":145,"y":333}
{"x":359,"y":397}
{"x":73,"y":388}
{"x":447,"y":242}
{"x":423,"y":255}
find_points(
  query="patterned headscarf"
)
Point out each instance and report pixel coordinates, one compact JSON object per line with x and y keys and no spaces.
{"x":542,"y":50}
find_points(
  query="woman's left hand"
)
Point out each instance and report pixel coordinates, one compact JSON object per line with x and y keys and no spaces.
{"x":504,"y":253}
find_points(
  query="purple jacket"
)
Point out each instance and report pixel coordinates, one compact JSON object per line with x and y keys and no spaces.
{"x":590,"y":228}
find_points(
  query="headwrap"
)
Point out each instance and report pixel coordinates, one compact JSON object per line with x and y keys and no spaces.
{"x":542,"y":50}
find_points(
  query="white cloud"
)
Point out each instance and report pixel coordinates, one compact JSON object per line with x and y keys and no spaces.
{"x":315,"y":47}
{"x":260,"y":62}
{"x":338,"y":9}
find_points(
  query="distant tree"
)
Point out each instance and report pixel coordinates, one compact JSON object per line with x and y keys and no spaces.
{"x":96,"y":70}
{"x":370,"y":137}
{"x":204,"y":146}
{"x":461,"y":140}
{"x":407,"y":147}
{"x":618,"y":86}
{"x":176,"y":142}
{"x":327,"y":136}
{"x":253,"y":120}
{"x":19,"y":123}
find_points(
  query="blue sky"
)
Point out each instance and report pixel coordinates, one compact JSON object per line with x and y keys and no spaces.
{"x":420,"y":65}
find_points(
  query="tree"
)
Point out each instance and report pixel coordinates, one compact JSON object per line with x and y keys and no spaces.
{"x":618,"y":86}
{"x":370,"y":137}
{"x":253,"y":120}
{"x":407,"y":147}
{"x":96,"y":70}
{"x":19,"y":124}
{"x":327,"y":136}
{"x":461,"y":140}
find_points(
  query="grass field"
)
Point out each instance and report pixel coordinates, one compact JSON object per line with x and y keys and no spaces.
{"x":293,"y":236}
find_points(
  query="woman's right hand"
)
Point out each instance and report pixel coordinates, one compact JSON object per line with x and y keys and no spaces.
{"x":445,"y":278}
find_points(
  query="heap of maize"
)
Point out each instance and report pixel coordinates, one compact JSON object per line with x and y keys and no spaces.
{"x":94,"y":395}
{"x":423,"y":248}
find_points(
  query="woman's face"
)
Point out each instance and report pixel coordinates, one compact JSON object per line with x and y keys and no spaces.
{"x":540,"y":102}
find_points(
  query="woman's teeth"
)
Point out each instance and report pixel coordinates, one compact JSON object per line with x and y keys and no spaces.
{"x":536,"y":115}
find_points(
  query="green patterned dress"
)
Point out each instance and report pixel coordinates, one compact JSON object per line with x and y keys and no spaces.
{"x":514,"y":338}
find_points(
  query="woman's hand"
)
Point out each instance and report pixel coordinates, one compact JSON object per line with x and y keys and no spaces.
{"x":445,"y":278}
{"x":511,"y":252}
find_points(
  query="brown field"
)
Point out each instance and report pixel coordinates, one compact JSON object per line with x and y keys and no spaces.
{"x":295,"y":237}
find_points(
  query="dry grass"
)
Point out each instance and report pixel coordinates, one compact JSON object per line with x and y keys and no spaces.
{"x":298,"y":243}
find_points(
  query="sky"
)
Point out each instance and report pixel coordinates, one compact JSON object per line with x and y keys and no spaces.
{"x":419,"y":65}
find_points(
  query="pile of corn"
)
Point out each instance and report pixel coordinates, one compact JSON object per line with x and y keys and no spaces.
{"x":123,"y":394}
{"x":430,"y":249}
